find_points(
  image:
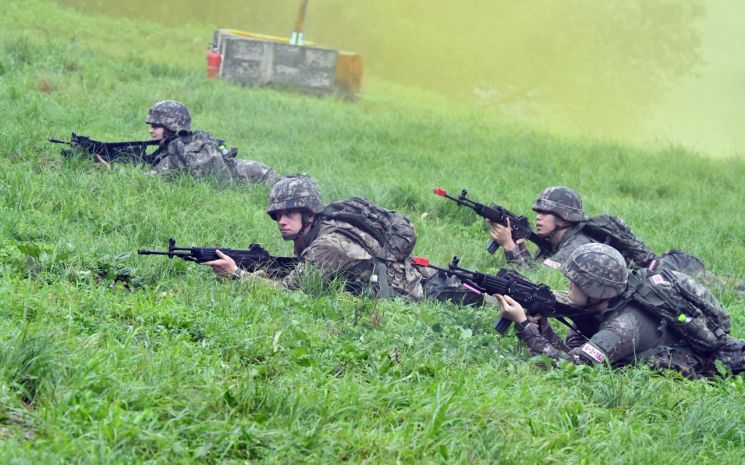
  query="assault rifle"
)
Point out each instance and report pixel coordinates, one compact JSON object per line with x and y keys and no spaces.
{"x":251,"y":259}
{"x":108,"y":151}
{"x":520,"y":225}
{"x":536,"y":299}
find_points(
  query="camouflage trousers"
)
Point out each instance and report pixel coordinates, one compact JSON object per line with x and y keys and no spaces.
{"x":731,"y":356}
{"x":438,"y":286}
{"x":251,"y":172}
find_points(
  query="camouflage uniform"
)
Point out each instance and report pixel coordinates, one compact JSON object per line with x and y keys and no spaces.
{"x":619,"y":336}
{"x":337,"y":249}
{"x":675,"y":260}
{"x":573,"y":238}
{"x":565,"y":204}
{"x":624,"y":333}
{"x":198,"y":152}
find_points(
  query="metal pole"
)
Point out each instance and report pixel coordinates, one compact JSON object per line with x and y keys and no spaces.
{"x":296,"y":38}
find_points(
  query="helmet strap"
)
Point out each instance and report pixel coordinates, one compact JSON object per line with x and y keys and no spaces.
{"x":597,"y":305}
{"x":307,"y":219}
{"x":560,"y":225}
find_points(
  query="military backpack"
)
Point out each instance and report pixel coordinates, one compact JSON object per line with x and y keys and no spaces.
{"x":393,"y":231}
{"x":613,"y":231}
{"x":684,"y":305}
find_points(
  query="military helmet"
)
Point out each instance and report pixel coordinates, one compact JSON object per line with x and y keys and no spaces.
{"x":170,"y":114}
{"x":598,"y":269}
{"x":294,"y":192}
{"x":562,"y":202}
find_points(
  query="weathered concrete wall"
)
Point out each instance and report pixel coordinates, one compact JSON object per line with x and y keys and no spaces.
{"x":255,"y":61}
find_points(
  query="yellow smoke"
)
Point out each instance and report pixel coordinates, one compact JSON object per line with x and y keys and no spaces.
{"x":639,"y":70}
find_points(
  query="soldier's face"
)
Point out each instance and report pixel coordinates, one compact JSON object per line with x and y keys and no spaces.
{"x":577,"y":295}
{"x":290,"y":223}
{"x":544,"y":223}
{"x":157,"y":132}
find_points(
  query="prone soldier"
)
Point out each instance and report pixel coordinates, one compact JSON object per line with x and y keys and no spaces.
{"x":331,"y":246}
{"x":197,"y":152}
{"x":559,"y":217}
{"x":619,"y":330}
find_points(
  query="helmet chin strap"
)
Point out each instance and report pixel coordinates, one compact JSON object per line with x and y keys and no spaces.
{"x":558,"y":227}
{"x":307,"y":220}
{"x":590,"y":306}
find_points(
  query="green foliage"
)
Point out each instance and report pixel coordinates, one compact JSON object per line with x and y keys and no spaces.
{"x":108,"y":357}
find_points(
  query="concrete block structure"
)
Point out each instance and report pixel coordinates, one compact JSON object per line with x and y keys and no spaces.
{"x":260,"y":60}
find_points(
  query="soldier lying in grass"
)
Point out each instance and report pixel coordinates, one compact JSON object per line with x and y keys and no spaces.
{"x":667,"y":320}
{"x":197,"y":152}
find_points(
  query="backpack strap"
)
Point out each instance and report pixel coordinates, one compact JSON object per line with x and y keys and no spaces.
{"x":379,"y":263}
{"x":381,"y":270}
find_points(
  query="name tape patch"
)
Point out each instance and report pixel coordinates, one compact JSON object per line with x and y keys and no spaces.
{"x":552,"y":264}
{"x":593,"y":352}
{"x":658,"y":279}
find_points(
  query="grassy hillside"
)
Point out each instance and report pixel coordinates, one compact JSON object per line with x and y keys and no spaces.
{"x":177,"y":367}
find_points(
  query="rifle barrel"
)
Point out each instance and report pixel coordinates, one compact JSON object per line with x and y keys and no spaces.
{"x":156,"y":252}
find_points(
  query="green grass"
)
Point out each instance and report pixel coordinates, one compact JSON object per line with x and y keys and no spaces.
{"x":173,"y":366}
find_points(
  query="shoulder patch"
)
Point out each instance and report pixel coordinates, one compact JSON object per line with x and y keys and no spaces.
{"x":552,"y":263}
{"x":658,"y":279}
{"x":593,"y":352}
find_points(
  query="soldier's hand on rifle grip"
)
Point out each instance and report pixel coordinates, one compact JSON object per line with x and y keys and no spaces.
{"x":224,"y":266}
{"x":102,"y":162}
{"x":510,"y":309}
{"x":541,"y":321}
{"x":502,"y":235}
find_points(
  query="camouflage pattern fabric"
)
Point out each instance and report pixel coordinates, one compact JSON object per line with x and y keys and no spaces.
{"x":680,"y":360}
{"x":624,"y":335}
{"x":670,"y":295}
{"x":198,"y":153}
{"x":613,"y":231}
{"x":297,"y":191}
{"x":627,"y":334}
{"x":573,"y":238}
{"x":562,"y":202}
{"x":392,"y":230}
{"x":731,"y":356}
{"x":598,"y":269}
{"x":251,"y":172}
{"x":170,"y":114}
{"x":437,"y":285}
{"x":342,"y":250}
{"x":676,"y":260}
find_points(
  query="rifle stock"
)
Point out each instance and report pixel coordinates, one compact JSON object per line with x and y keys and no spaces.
{"x":251,"y":259}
